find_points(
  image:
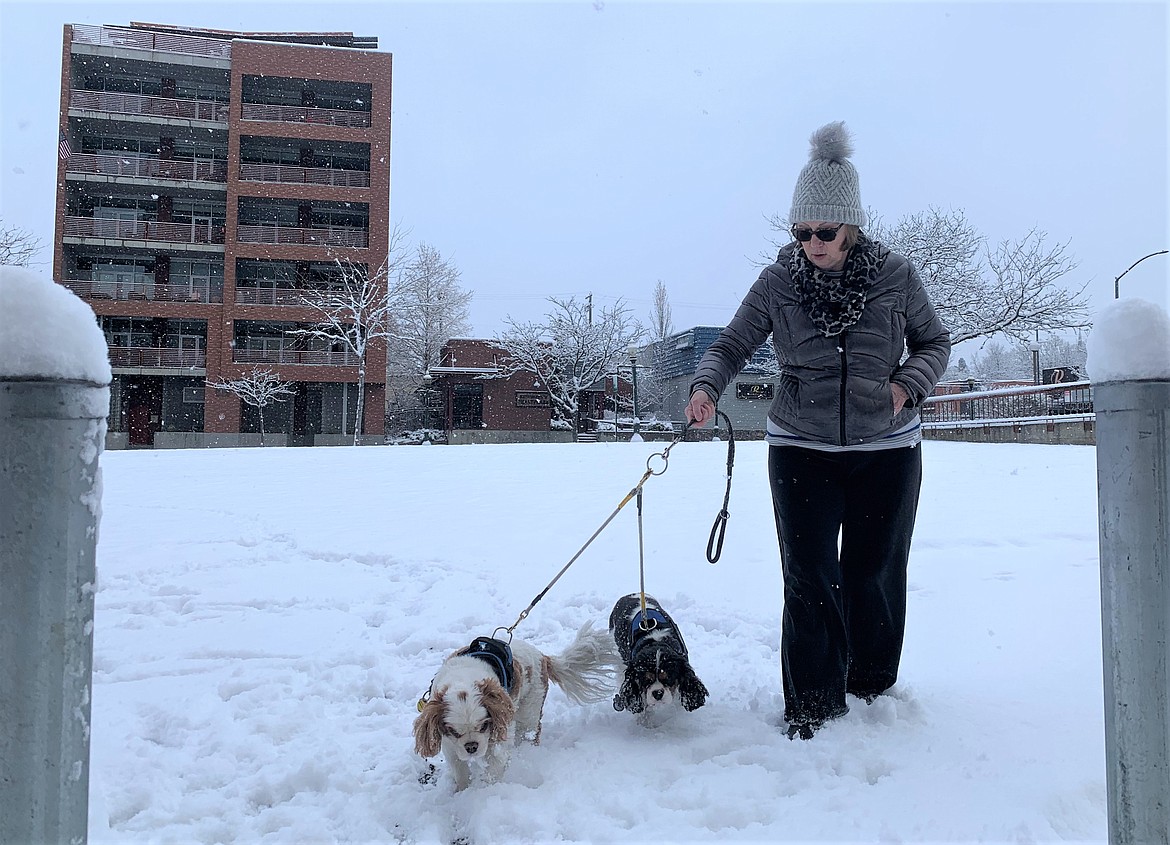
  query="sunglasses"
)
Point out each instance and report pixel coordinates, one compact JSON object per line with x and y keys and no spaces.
{"x":825,"y":235}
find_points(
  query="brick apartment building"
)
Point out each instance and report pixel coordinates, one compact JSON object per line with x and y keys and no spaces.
{"x":206,"y":179}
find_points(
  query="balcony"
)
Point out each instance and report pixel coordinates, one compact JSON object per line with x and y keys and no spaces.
{"x":291,"y":175}
{"x":343,"y":236}
{"x":143,"y":230}
{"x":141,"y":290}
{"x":105,"y":36}
{"x":149,"y":168}
{"x":305,"y":114}
{"x":139,"y":104}
{"x":157,"y":358}
{"x":308,"y":357}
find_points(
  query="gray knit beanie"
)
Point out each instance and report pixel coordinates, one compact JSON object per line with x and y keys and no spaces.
{"x":828,"y":188}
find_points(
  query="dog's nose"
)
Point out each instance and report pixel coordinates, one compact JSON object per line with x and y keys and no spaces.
{"x":471,"y":747}
{"x":658,"y":694}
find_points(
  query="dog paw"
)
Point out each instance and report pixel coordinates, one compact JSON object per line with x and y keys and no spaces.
{"x":429,"y":777}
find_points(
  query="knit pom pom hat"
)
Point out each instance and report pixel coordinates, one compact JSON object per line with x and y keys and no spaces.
{"x":828,"y":187}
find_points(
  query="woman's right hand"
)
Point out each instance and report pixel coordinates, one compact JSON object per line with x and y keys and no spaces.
{"x":700,"y":409}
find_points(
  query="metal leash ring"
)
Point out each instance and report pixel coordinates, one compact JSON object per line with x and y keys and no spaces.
{"x":664,"y":454}
{"x":647,"y":623}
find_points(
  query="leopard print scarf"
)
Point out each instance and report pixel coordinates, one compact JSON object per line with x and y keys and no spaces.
{"x":834,"y":301}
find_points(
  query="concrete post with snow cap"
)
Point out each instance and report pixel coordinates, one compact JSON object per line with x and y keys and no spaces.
{"x":54,"y":400}
{"x":1129,"y":363}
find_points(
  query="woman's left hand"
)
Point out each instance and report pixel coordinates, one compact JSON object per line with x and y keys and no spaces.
{"x":901,"y":397}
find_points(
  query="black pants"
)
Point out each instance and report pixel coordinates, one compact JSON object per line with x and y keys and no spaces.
{"x":844,"y":610}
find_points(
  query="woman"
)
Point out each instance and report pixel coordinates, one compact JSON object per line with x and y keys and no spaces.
{"x":843,"y":460}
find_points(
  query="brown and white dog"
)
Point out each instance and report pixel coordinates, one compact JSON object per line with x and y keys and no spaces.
{"x":480,"y":697}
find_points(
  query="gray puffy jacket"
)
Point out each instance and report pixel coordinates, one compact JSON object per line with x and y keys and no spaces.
{"x":836,"y":389}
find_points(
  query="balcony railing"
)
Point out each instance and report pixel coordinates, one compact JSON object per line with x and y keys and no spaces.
{"x":1071,"y":399}
{"x":114,"y":103}
{"x":143,"y":230}
{"x":304,"y":175}
{"x":149,"y":168}
{"x":304,"y":114}
{"x":143,"y":289}
{"x":156,"y":358}
{"x":324,"y":236}
{"x":307,"y":357}
{"x":270,"y":296}
{"x":134,"y":39}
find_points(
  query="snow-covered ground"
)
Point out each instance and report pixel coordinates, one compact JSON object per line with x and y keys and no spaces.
{"x":267,"y":620}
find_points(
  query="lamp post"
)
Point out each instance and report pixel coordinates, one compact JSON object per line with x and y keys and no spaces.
{"x":1035,"y":347}
{"x":634,"y":379}
{"x":1117,"y":281}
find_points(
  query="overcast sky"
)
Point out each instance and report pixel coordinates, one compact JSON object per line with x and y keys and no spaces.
{"x":577,"y":147}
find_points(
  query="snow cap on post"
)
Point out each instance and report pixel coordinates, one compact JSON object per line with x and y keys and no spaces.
{"x":48,"y":332}
{"x":828,"y":188}
{"x":1130,"y":341}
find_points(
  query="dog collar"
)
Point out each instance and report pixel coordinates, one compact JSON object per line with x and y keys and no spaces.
{"x":497,"y":654}
{"x":652,"y":619}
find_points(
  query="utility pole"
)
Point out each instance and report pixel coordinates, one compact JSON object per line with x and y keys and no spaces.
{"x":589,"y":306}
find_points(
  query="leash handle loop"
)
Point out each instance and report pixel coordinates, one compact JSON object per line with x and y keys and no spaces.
{"x":719,"y":529}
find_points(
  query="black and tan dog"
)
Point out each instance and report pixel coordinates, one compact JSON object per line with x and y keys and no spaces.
{"x":656,"y":666}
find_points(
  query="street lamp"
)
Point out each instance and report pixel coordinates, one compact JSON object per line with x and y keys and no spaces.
{"x":634,"y":378}
{"x":1035,"y":347}
{"x":1117,"y":281}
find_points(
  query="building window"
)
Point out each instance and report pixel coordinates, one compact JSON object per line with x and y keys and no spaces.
{"x":193,"y":395}
{"x":532,"y":399}
{"x":750,"y":391}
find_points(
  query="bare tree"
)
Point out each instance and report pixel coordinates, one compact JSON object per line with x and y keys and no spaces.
{"x":661,"y":322}
{"x":18,"y":247}
{"x":1016,"y":289}
{"x":432,"y":308}
{"x":359,"y":309}
{"x":568,"y":353}
{"x":653,"y":387}
{"x":1025,"y":295}
{"x":259,"y":388}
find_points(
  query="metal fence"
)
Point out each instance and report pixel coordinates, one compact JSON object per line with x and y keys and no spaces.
{"x":1069,"y":401}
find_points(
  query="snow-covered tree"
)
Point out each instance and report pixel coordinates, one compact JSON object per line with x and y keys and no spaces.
{"x":568,"y":352}
{"x":359,"y":309}
{"x":1016,"y":288}
{"x":432,"y":308}
{"x":258,"y":388}
{"x":995,"y":361}
{"x":17,"y":246}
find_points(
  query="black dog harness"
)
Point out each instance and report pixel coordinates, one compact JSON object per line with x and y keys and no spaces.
{"x":641,"y":625}
{"x":498,"y":655}
{"x":495,"y":653}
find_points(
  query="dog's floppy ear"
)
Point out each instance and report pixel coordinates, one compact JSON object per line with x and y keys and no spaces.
{"x":628,"y":696}
{"x":499,"y":706}
{"x":428,"y":727}
{"x":691,"y":690}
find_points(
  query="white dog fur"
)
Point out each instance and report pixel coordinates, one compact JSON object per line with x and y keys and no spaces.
{"x":470,"y":717}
